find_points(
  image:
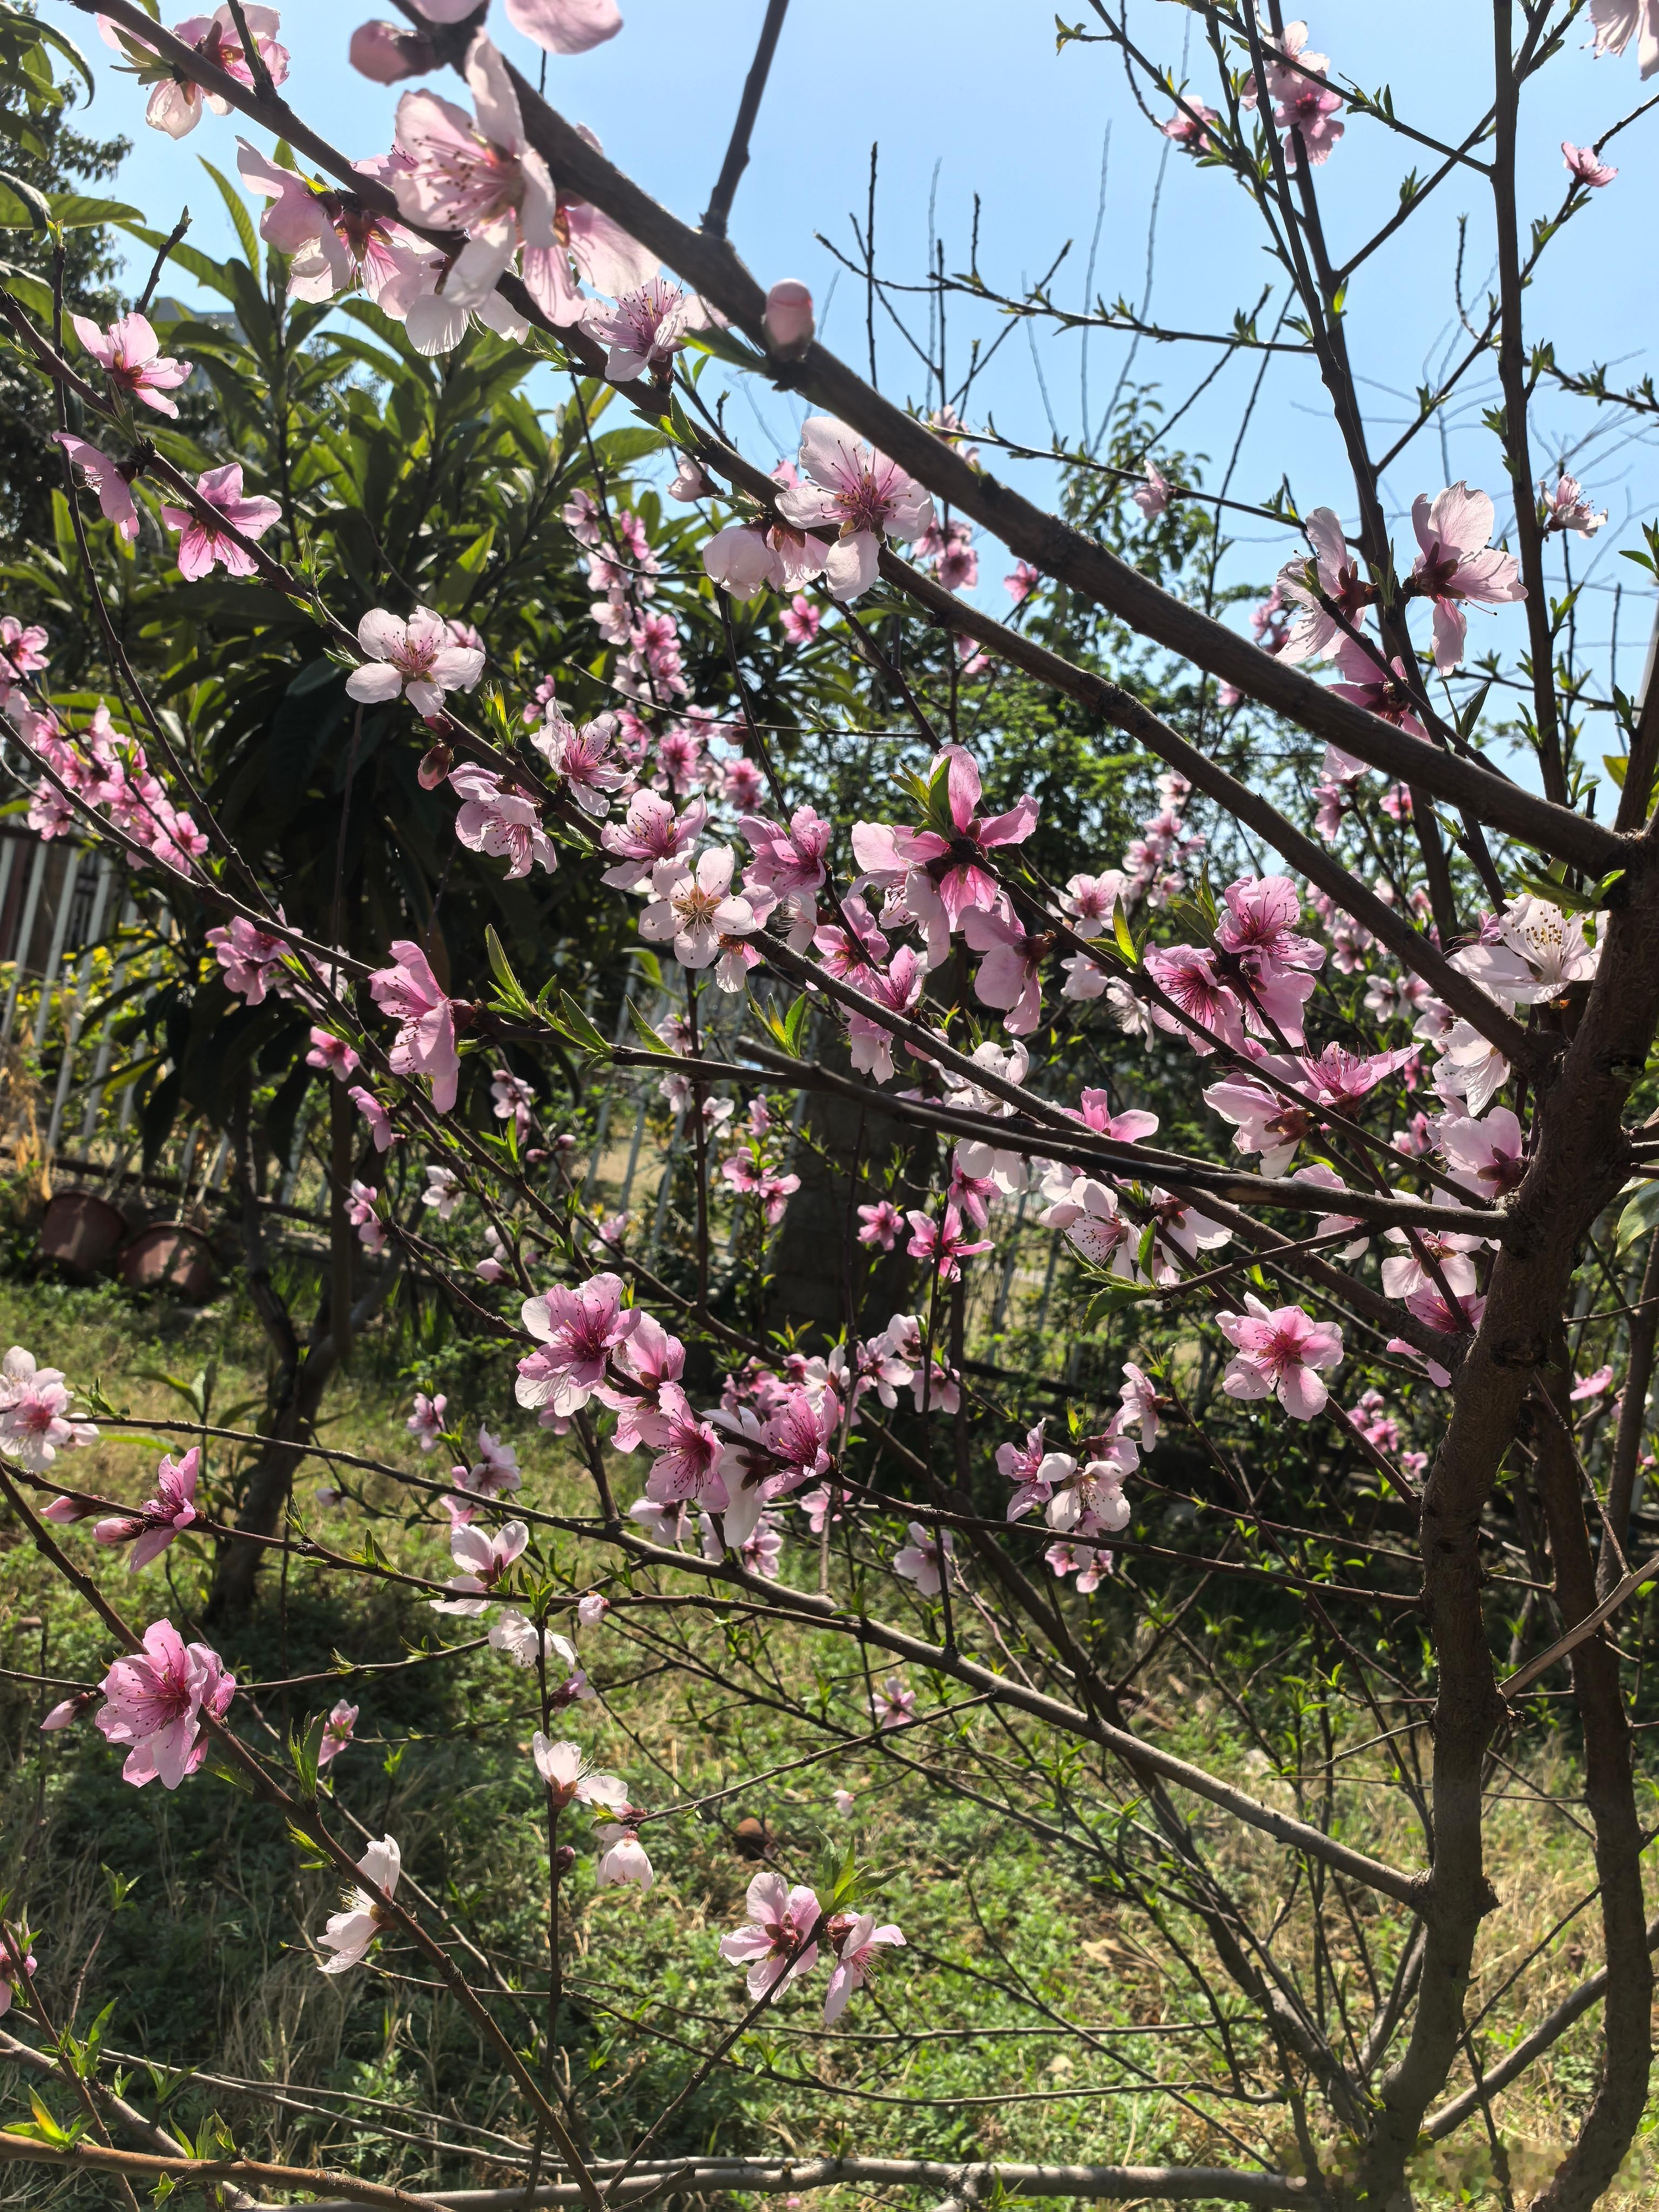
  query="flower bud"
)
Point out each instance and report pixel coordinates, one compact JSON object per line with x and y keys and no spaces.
{"x":69,"y":1710}
{"x":385,"y":53}
{"x":435,"y":767}
{"x":690,"y":482}
{"x":564,"y":1859}
{"x":789,"y":319}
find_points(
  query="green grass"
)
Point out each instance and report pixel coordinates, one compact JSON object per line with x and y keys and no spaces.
{"x":959,"y":2051}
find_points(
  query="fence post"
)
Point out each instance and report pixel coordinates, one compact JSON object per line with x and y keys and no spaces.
{"x":1008,"y":1266}
{"x":7,"y":862}
{"x":26,"y":931}
{"x":72,"y":1028}
{"x":296,"y":1150}
{"x":602,"y":1125}
{"x":106,"y":1038}
{"x":59,"y":931}
{"x":664,"y":1181}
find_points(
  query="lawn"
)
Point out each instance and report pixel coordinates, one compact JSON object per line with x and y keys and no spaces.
{"x":1036,"y":2011}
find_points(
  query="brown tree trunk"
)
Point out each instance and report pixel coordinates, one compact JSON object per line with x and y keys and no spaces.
{"x":301,"y":1377}
{"x":1580,"y":1162}
{"x":816,"y":1264}
{"x":1610,"y":2124}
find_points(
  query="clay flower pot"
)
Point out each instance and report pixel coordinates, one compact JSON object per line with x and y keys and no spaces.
{"x":169,"y":1256}
{"x":81,"y":1231}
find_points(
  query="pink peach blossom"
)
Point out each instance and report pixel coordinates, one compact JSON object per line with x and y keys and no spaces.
{"x":1152,"y":496}
{"x":153,"y":1702}
{"x":893,"y":1703}
{"x":1334,"y":574}
{"x":1566,"y":507}
{"x":417,"y":660}
{"x":1617,"y":21}
{"x":379,"y":1120}
{"x":800,"y":620}
{"x":1459,"y":564}
{"x":686,"y":1470}
{"x":624,"y":1859}
{"x":160,"y":1518}
{"x":1382,"y":690}
{"x":385,"y":52}
{"x":791,"y":859}
{"x":425,"y":1045}
{"x":856,"y":1957}
{"x":1139,"y":1399}
{"x":1587,"y":166}
{"x":926,"y":1559}
{"x":579,"y":1330}
{"x":1488,"y":1155}
{"x":331,"y":1055}
{"x":1187,"y":973}
{"x":1185,"y":128}
{"x":861,"y":494}
{"x":1279,"y":1352}
{"x":131,"y":357}
{"x":477,"y":174}
{"x":777,"y":1947}
{"x":1405,"y":1273}
{"x":485,"y":1560}
{"x":1008,"y":976}
{"x":649,"y":834}
{"x":500,"y":822}
{"x":644,"y":331}
{"x":251,"y":957}
{"x":882,"y":1224}
{"x":35,"y":1404}
{"x":787,"y":321}
{"x":176,"y":103}
{"x":695,"y":908}
{"x":569,"y":1779}
{"x":348,"y":1934}
{"x":337,"y":1733}
{"x":941,"y":1245}
{"x":563,"y":27}
{"x":939,"y":863}
{"x":1264,"y":1120}
{"x":203,"y":545}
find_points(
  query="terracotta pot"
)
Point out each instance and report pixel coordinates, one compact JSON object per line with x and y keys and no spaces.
{"x":81,"y":1231}
{"x":168,"y":1256}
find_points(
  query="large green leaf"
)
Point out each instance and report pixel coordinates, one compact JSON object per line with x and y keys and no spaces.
{"x":82,"y":211}
{"x":238,"y":214}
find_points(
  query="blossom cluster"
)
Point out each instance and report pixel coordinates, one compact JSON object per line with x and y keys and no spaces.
{"x":103,"y":768}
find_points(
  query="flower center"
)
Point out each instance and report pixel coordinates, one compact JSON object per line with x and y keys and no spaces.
{"x":695,"y":905}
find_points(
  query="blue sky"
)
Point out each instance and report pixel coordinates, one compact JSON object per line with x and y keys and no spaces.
{"x":967,"y":97}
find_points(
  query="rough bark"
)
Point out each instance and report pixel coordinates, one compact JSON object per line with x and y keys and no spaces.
{"x":1610,"y":1796}
{"x":1577,"y":1170}
{"x":301,"y":1378}
{"x":810,"y":1260}
{"x":1632,"y":1416}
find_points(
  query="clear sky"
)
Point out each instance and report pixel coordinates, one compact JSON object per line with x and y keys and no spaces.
{"x":965,"y":97}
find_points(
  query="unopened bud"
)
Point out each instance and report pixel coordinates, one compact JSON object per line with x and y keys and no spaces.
{"x":789,"y":319}
{"x":435,"y":767}
{"x":385,"y":52}
{"x":564,"y":1859}
{"x":688,"y":481}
